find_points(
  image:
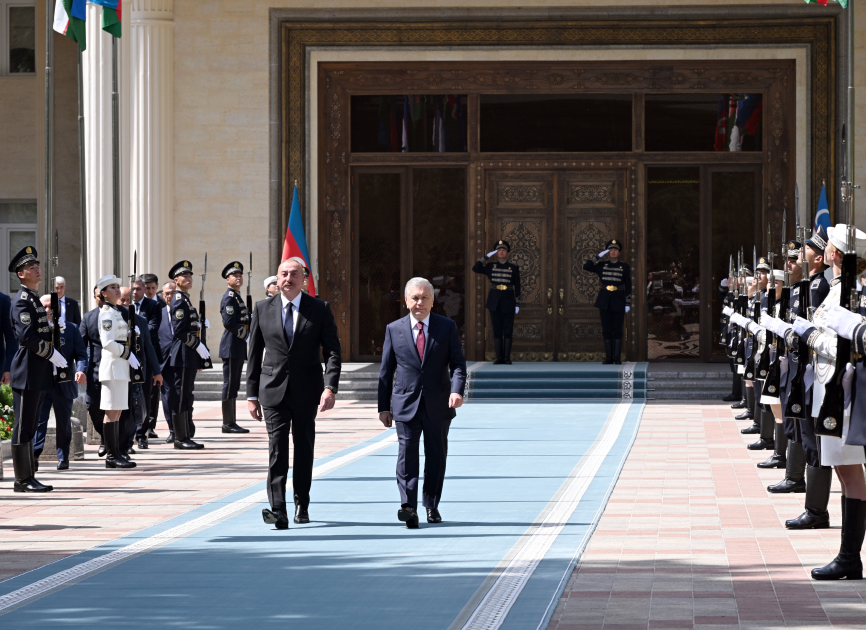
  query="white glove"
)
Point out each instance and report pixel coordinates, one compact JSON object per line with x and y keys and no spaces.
{"x":846,"y":382}
{"x":491,"y":253}
{"x":627,"y":309}
{"x":766,"y":320}
{"x":842,"y":321}
{"x":801,"y":325}
{"x":728,"y":311}
{"x":754,"y":328}
{"x":516,"y":310}
{"x":133,"y":362}
{"x":202,"y":351}
{"x":137,"y":331}
{"x":601,"y":254}
{"x":58,"y":359}
{"x":739,"y":320}
{"x":206,"y":323}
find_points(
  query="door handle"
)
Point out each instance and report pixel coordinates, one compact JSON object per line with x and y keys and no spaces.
{"x":549,"y":297}
{"x":562,"y":301}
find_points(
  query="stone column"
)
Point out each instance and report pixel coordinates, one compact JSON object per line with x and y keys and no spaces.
{"x":152,"y":160}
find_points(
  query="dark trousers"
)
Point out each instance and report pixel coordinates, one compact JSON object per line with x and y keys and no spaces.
{"x":435,"y":455}
{"x":27,"y":404}
{"x":503,"y":324}
{"x":93,"y":398}
{"x":153,"y":405}
{"x":149,"y":410}
{"x":232,"y":369}
{"x":167,"y":384}
{"x":810,"y":442}
{"x":611,"y":323}
{"x":180,"y":394}
{"x":63,"y":418}
{"x":279,"y":421}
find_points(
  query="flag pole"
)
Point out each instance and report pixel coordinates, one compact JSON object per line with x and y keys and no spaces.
{"x":115,"y":156}
{"x":49,"y":129}
{"x":82,"y":185}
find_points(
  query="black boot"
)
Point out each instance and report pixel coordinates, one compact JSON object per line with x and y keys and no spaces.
{"x":749,"y":413}
{"x":230,"y":422}
{"x":743,"y":404}
{"x":736,"y":391}
{"x":847,"y":565}
{"x":779,"y":457}
{"x":182,"y":440}
{"x":608,"y":352}
{"x":497,"y":348}
{"x":768,"y":423}
{"x":795,"y":468}
{"x":617,"y":351}
{"x":22,"y":463}
{"x":506,"y":350}
{"x":816,"y":516}
{"x":102,"y":450}
{"x":114,"y":458}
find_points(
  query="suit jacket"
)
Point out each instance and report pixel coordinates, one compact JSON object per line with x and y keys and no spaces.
{"x":294,"y":372}
{"x":73,"y":311}
{"x":149,"y":309}
{"x":89,"y":330}
{"x":404,"y":378}
{"x":10,"y":345}
{"x":72,"y":347}
{"x":165,"y":336}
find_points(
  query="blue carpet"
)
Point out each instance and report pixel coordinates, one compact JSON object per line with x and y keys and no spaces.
{"x":356,"y":566}
{"x":557,"y":381}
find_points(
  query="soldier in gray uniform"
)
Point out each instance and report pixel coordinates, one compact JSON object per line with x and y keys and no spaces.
{"x":614,"y":297}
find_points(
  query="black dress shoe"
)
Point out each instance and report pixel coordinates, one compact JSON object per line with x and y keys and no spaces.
{"x":233,"y":428}
{"x":302,"y":515}
{"x":731,"y":398}
{"x":129,"y":451}
{"x":170,"y":438}
{"x":762,"y":445}
{"x":151,"y":434}
{"x":278,"y":519}
{"x":142,"y":442}
{"x":746,"y":415}
{"x":433,"y":516}
{"x":755,"y":428}
{"x":30,"y":485}
{"x":774,"y":461}
{"x":102,"y":450}
{"x":63,"y":465}
{"x":787,"y":485}
{"x":808,"y":520}
{"x":408,"y":515}
{"x":740,"y":405}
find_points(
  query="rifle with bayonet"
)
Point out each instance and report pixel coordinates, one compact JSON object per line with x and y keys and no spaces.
{"x":796,"y":407}
{"x":206,"y":364}
{"x":742,"y":301}
{"x":731,"y":301}
{"x":763,"y":361}
{"x":774,"y":373}
{"x":63,"y":375}
{"x":249,"y":295}
{"x":751,"y":340}
{"x":133,"y":341}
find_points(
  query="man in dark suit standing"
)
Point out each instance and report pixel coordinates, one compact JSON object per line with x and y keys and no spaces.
{"x":298,"y":331}
{"x":70,"y":312}
{"x":425,"y":353}
{"x":151,"y":285}
{"x":150,"y":311}
{"x":89,"y":329}
{"x":165,"y":334}
{"x":9,"y":342}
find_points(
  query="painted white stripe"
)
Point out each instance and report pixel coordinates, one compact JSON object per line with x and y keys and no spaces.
{"x":497,"y":603}
{"x":84,"y":570}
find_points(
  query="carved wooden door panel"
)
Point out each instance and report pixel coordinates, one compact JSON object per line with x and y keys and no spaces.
{"x":590,"y":211}
{"x":521,"y":211}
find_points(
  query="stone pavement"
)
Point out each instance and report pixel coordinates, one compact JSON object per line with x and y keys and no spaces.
{"x":91,"y":505}
{"x":691,"y":539}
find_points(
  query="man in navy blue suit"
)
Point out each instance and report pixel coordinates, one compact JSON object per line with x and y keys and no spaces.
{"x":424,"y":352}
{"x":165,"y":333}
{"x":10,"y":345}
{"x":63,"y":394}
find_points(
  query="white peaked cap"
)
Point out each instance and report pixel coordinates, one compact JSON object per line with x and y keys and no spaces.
{"x":270,"y":280}
{"x":838,"y":236}
{"x":105,"y":281}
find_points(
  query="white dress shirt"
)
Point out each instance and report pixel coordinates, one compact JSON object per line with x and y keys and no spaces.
{"x":62,"y":308}
{"x":415,"y":331}
{"x":296,"y":304}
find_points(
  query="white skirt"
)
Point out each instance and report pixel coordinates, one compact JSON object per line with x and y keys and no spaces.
{"x":834,"y":451}
{"x":115,"y":395}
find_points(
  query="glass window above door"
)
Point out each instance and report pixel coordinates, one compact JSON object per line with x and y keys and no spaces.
{"x":410,"y":123}
{"x":703,"y":122}
{"x":555,"y":123}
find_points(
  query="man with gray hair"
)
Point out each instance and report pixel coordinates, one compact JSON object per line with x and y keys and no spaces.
{"x":70,"y":312}
{"x":424,"y":352}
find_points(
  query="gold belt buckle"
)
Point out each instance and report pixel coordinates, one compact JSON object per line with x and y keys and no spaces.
{"x":610,"y":287}
{"x":502,"y":287}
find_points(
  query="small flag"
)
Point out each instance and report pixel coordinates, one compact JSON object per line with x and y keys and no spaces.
{"x":111,"y":16}
{"x":844,"y":3}
{"x":822,"y":215}
{"x":296,"y":240}
{"x":69,"y":20}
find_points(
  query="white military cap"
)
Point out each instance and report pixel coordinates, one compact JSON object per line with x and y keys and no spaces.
{"x":105,"y":281}
{"x":838,"y":236}
{"x":270,"y":280}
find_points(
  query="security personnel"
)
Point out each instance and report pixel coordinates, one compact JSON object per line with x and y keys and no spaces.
{"x":233,"y":345}
{"x":763,"y":414}
{"x":271,"y":288}
{"x":503,"y":299}
{"x":32,"y":368}
{"x":614,"y":297}
{"x":187,"y":352}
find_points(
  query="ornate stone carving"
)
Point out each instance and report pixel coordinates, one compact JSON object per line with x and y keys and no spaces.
{"x":500,"y":79}
{"x":776,"y":117}
{"x":336,"y":295}
{"x":374,"y":79}
{"x":335,"y":120}
{"x":617,"y":78}
{"x":777,"y":180}
{"x":584,"y":331}
{"x":555,"y":79}
{"x":677,"y":78}
{"x":434,"y":80}
{"x":586,"y":241}
{"x":735,"y":78}
{"x":520,"y":193}
{"x":336,"y":238}
{"x":526,"y":252}
{"x":527,"y":331}
{"x":584,"y":193}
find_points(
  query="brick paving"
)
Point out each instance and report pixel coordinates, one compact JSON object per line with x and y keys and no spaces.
{"x":91,"y":505}
{"x":692,"y":539}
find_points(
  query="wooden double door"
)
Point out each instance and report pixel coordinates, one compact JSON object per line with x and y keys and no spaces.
{"x":555,"y":221}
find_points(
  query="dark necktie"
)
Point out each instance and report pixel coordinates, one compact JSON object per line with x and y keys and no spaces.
{"x":419,"y":340}
{"x":289,"y":326}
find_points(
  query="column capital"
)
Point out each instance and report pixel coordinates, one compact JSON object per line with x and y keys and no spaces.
{"x":150,"y":10}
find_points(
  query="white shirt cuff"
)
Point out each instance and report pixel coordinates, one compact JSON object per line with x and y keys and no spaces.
{"x":256,"y":398}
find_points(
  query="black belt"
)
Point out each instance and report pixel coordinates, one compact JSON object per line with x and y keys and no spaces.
{"x":611,"y":287}
{"x":502,"y":287}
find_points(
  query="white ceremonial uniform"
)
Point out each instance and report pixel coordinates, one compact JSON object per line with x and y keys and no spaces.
{"x":834,"y":451}
{"x":114,"y":365}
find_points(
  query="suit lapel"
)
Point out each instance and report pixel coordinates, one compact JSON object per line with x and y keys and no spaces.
{"x":303,"y":313}
{"x":428,"y":342}
{"x":277,"y":308}
{"x":406,"y":329}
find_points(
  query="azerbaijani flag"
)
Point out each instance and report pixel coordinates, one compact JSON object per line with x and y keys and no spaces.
{"x":296,"y":240}
{"x":822,"y":215}
{"x":69,"y":16}
{"x":111,"y":15}
{"x":844,"y":3}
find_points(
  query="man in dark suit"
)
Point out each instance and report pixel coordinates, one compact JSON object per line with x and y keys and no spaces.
{"x":425,"y":353}
{"x":298,"y":331}
{"x":150,"y":311}
{"x":165,"y":334}
{"x":10,"y":344}
{"x":63,"y":394}
{"x":70,"y":312}
{"x":89,"y":329}
{"x":151,"y":285}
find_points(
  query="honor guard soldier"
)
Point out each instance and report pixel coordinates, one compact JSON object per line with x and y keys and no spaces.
{"x":271,"y":288}
{"x":186,"y":356}
{"x":502,"y":301}
{"x":33,"y":367}
{"x":233,"y":345}
{"x":614,"y":297}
